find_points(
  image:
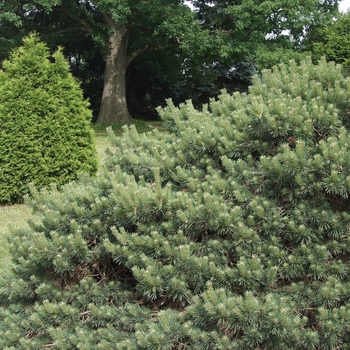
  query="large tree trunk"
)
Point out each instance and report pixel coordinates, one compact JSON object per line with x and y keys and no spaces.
{"x":114,"y":108}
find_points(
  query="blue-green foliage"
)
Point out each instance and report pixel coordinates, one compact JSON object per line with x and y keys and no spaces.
{"x":229,"y":232}
{"x":45,"y":133}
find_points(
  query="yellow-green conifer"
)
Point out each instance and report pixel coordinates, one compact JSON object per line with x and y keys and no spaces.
{"x":45,"y":133}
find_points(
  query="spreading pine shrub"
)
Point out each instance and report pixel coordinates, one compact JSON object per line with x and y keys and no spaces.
{"x":45,"y":133}
{"x":229,"y":232}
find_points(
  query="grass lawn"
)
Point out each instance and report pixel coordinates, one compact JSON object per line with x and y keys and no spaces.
{"x":18,"y":214}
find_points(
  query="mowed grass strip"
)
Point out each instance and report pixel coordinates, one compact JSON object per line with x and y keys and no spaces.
{"x":101,"y":146}
{"x":14,"y":216}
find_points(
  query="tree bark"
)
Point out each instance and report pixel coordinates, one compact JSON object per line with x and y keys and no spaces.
{"x":114,"y":107}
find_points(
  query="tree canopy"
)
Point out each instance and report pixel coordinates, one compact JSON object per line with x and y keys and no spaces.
{"x":334,"y":42}
{"x":122,"y":30}
{"x":260,"y":31}
{"x":228,"y":33}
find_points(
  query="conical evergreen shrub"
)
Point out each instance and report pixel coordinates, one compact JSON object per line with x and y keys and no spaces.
{"x":229,"y":232}
{"x":45,"y":133}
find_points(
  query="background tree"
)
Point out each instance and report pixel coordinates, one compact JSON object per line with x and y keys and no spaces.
{"x":154,"y":77}
{"x":230,"y":54}
{"x":205,"y":55}
{"x":333,"y":41}
{"x":111,"y":25}
{"x":45,"y":133}
{"x":229,"y":232}
{"x":261,"y":31}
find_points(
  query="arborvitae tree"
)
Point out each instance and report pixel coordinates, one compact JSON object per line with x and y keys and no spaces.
{"x":45,"y":133}
{"x":229,"y":232}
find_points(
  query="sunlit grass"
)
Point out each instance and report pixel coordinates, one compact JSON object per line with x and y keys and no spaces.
{"x":14,"y":216}
{"x":101,"y":145}
{"x":141,"y":126}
